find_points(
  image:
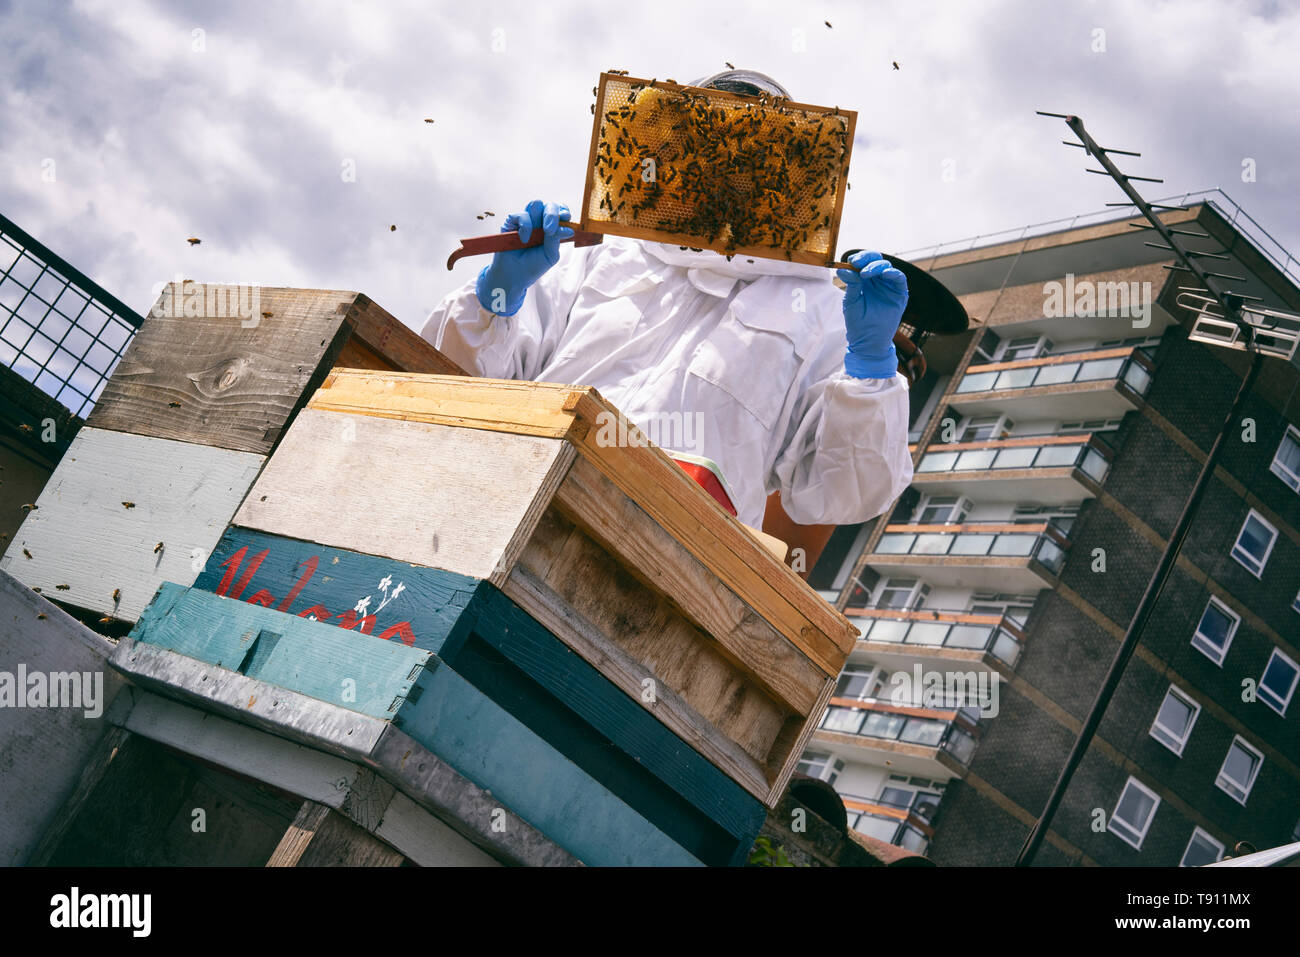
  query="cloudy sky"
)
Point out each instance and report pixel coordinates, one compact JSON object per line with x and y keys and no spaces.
{"x":129,"y":125}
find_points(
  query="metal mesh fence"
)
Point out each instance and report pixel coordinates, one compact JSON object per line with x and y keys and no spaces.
{"x":58,"y":329}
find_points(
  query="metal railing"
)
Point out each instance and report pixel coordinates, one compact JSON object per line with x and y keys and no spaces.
{"x":1001,"y":637}
{"x":1087,"y":454}
{"x":952,"y":735}
{"x":1217,"y":199}
{"x":1133,"y":369}
{"x":1042,"y":541}
{"x":59,"y":329}
{"x":912,"y":832}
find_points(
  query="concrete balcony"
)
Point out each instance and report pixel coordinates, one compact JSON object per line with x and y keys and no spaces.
{"x":1045,"y":469}
{"x":930,"y":742}
{"x":907,"y":827}
{"x":1021,"y":558}
{"x":1098,"y":384}
{"x":897,"y":640}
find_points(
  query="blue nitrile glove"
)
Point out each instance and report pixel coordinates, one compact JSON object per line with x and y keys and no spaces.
{"x":503,"y":282}
{"x":875,"y":296}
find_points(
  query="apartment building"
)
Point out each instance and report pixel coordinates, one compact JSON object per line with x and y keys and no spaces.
{"x":1055,"y":445}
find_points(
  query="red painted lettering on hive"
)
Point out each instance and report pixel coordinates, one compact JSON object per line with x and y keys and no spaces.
{"x":350,"y":619}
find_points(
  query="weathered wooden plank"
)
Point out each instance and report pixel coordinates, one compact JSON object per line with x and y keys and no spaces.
{"x":320,"y":837}
{"x":644,"y":473}
{"x":653,"y":632}
{"x":398,"y":346}
{"x":351,"y":670}
{"x":531,"y":594}
{"x":593,"y":503}
{"x":101,"y":758}
{"x":45,"y":749}
{"x":531,"y":783}
{"x":618,"y":719}
{"x":82,"y":535}
{"x":489,"y":746}
{"x":427,"y":494}
{"x":437,"y":609}
{"x":426,"y":840}
{"x":238,"y":379}
{"x":791,"y":742}
{"x":418,"y":606}
{"x":677,"y":503}
{"x":427,"y":819}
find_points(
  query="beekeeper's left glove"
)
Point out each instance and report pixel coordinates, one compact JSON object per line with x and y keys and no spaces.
{"x":875,"y":296}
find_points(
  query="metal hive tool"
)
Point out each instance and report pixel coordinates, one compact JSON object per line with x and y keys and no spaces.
{"x":740,"y":175}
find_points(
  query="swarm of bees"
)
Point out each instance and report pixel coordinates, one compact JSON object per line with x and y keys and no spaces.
{"x":726,"y":172}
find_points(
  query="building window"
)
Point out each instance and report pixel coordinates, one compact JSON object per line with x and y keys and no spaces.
{"x":1173,"y":724}
{"x":903,"y":593}
{"x":1025,"y":347}
{"x":1278,"y":682}
{"x":942,"y":510}
{"x":1254,"y":542}
{"x":817,"y":764}
{"x":1062,"y":516}
{"x":1214,"y":633}
{"x":858,"y":682}
{"x":1201,"y":850}
{"x":1134,"y":813}
{"x":1240,"y":766}
{"x":986,"y":428}
{"x":1286,"y":463}
{"x":1088,"y":425}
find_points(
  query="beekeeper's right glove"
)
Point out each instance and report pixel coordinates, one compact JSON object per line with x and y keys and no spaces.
{"x":503,"y":282}
{"x":875,"y":295}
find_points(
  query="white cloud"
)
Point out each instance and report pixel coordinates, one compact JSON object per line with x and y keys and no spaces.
{"x":242,"y":144}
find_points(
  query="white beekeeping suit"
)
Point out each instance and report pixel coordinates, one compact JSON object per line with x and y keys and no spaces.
{"x":740,"y":361}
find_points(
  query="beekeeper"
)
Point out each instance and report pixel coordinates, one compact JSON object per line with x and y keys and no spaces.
{"x":789,"y":383}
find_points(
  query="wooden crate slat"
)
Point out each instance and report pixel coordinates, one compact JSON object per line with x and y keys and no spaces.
{"x":631,"y":676}
{"x":198,"y":371}
{"x":417,"y":606}
{"x":437,"y":610}
{"x":82,"y":535}
{"x":364,"y":483}
{"x":599,"y":701}
{"x":453,"y":719}
{"x":592,"y":502}
{"x":645,"y":474}
{"x":375,"y":331}
{"x":237,"y":386}
{"x":675,"y":653}
{"x":341,"y":667}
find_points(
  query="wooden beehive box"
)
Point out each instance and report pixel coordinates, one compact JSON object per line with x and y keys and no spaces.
{"x":606,"y":544}
{"x":198,"y":401}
